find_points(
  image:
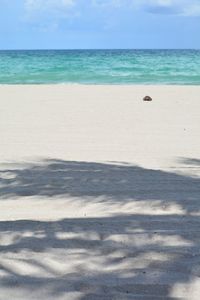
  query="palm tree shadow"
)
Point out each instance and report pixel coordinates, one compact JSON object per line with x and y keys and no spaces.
{"x":121,"y":256}
{"x":57,"y":178}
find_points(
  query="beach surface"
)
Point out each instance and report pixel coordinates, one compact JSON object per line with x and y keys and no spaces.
{"x":99,"y":192}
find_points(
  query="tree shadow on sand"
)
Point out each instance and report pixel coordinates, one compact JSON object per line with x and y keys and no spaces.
{"x":135,"y":256}
{"x":54,"y":178}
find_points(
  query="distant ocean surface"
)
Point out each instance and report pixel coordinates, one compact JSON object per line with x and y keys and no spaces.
{"x":100,"y":66}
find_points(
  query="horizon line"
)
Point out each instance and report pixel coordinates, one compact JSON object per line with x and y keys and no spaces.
{"x":86,"y":49}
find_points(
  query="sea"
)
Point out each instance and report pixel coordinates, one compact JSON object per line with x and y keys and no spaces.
{"x":174,"y":67}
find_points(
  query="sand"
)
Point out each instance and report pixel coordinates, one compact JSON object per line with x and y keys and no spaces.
{"x":99,"y":192}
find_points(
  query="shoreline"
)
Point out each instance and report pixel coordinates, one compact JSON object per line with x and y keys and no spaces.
{"x":102,"y":84}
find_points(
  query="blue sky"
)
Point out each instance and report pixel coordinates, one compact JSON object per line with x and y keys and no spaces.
{"x":70,"y":24}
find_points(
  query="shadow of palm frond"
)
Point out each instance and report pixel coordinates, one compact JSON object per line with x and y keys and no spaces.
{"x":54,"y":178}
{"x":135,"y":256}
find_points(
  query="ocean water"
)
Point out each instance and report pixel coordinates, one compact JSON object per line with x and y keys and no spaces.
{"x":100,"y":66}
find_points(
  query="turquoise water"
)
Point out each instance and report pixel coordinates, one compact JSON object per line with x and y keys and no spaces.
{"x":100,"y":66}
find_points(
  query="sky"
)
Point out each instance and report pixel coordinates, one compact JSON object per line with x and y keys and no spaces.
{"x":99,"y":24}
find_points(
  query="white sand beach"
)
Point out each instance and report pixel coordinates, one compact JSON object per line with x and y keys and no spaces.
{"x":99,"y":192}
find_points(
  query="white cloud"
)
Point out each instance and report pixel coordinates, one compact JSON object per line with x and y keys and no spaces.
{"x":33,"y":7}
{"x":192,"y":10}
{"x":48,"y":11}
{"x":41,"y":4}
{"x":106,"y":3}
{"x":176,"y":7}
